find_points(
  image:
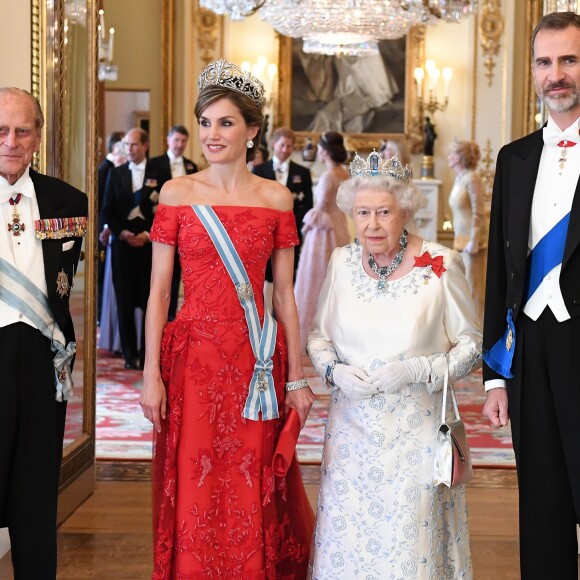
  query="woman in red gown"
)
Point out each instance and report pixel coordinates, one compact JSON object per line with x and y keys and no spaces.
{"x":219,"y":512}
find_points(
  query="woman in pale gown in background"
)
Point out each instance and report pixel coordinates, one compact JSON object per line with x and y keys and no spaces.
{"x":467,"y":202}
{"x":325,"y":228}
{"x":109,"y":337}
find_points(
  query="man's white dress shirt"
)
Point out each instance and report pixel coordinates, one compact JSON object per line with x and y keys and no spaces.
{"x":24,"y":252}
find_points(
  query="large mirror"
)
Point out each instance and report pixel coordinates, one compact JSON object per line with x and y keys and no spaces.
{"x":64,"y":80}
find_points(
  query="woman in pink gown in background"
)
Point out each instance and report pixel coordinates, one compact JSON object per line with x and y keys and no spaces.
{"x":325,"y":228}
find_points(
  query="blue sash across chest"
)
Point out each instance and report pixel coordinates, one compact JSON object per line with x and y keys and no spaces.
{"x":544,"y":257}
{"x":262,"y":394}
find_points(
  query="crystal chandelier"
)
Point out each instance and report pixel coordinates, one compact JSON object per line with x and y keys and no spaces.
{"x":561,"y":6}
{"x":340,"y":26}
{"x":352,"y":27}
{"x":235,"y":9}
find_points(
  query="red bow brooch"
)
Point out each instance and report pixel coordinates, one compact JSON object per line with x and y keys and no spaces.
{"x":436,"y":263}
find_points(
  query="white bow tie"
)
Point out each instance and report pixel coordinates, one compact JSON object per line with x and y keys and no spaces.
{"x":24,"y":186}
{"x":177,"y":161}
{"x":137,"y":167}
{"x":282,"y":167}
{"x":553,"y":136}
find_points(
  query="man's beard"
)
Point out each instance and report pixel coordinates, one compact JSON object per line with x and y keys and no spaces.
{"x":560,"y":103}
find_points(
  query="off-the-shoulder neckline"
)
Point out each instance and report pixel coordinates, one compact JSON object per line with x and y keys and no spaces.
{"x":221,"y":206}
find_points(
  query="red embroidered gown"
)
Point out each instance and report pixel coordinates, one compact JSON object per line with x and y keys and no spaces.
{"x":218,"y":511}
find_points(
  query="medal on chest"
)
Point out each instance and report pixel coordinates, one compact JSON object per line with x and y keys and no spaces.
{"x":62,"y":284}
{"x":563,"y":157}
{"x":16,"y":227}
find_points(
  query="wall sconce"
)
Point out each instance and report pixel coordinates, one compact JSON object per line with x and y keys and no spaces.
{"x":107,"y":70}
{"x":267,"y":73}
{"x":429,"y":101}
{"x":264,"y":71}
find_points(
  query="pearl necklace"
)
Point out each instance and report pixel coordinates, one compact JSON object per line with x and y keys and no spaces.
{"x":385,"y":271}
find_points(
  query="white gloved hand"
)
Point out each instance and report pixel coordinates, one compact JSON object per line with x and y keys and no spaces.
{"x":398,"y":374}
{"x":353,"y":382}
{"x":472,"y":247}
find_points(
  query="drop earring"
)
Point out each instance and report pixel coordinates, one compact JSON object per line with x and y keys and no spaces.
{"x":249,"y":143}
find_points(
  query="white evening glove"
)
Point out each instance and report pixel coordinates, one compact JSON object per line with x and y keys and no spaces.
{"x":472,"y":247}
{"x":353,"y":382}
{"x":396,"y":375}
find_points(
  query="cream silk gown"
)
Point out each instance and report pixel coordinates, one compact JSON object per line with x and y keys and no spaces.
{"x":379,"y":516}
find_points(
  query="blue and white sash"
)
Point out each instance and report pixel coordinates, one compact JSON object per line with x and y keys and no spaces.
{"x":262,"y":394}
{"x":545,"y":256}
{"x":19,"y":292}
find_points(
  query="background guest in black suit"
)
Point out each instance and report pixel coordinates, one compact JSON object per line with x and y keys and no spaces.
{"x":173,"y":164}
{"x":115,"y":157}
{"x":31,"y":418}
{"x":295,"y":177}
{"x":131,"y":196}
{"x":537,"y":187}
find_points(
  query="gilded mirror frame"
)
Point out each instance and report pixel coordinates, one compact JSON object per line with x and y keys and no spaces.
{"x":48,"y":85}
{"x":413,"y":123}
{"x":532,"y":105}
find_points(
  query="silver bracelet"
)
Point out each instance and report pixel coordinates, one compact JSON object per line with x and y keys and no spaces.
{"x":295,"y":385}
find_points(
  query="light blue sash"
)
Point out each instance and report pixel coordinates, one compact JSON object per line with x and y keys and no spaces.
{"x":262,"y":394}
{"x":546,"y":255}
{"x":19,"y":292}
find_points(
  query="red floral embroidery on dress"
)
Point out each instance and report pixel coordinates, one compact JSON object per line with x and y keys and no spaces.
{"x":268,"y":484}
{"x":202,"y":466}
{"x":224,"y":515}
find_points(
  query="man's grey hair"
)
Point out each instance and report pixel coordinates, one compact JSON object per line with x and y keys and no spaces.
{"x":38,"y":116}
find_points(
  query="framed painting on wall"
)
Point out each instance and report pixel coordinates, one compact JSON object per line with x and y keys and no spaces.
{"x":367,"y":98}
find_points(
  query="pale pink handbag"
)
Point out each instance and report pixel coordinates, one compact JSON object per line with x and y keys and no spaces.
{"x":452,"y":457}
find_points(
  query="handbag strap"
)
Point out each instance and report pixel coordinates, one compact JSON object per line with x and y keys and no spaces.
{"x":262,"y":393}
{"x":446,"y":386}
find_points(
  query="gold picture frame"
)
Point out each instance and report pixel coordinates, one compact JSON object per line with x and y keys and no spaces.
{"x":412,"y":117}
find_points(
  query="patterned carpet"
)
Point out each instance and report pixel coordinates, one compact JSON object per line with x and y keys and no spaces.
{"x":123,"y":432}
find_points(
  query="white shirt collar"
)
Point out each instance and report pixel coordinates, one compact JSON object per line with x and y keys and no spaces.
{"x":573,"y":128}
{"x":23,"y":185}
{"x":138,"y":166}
{"x":279,"y":165}
{"x":173,"y":159}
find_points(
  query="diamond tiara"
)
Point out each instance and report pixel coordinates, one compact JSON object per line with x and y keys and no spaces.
{"x":227,"y":74}
{"x":374,"y":165}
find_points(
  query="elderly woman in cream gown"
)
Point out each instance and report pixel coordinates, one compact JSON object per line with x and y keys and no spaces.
{"x":467,"y":202}
{"x":393,"y":310}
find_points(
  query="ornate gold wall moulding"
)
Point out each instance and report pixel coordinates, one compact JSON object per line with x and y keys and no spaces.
{"x":532,"y":109}
{"x":487,"y":172}
{"x":491,"y":27}
{"x":207,"y":24}
{"x":167,"y":42}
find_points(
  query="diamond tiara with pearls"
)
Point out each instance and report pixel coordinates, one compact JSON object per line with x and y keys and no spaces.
{"x":374,"y":165}
{"x":227,"y":74}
